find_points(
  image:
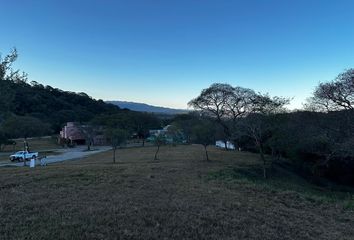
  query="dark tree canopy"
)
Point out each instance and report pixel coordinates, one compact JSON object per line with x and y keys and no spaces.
{"x":214,"y":100}
{"x":23,"y":127}
{"x":222,"y":102}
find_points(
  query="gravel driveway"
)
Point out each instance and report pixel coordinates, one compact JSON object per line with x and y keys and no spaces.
{"x":65,"y":155}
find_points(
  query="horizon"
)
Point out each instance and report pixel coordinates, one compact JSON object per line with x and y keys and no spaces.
{"x":165,"y":53}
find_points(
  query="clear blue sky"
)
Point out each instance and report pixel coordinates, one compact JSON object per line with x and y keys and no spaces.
{"x":164,"y":52}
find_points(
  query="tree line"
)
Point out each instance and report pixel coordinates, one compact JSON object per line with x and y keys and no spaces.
{"x":318,"y":141}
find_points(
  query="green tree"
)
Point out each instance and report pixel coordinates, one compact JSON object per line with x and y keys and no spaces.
{"x":142,"y":123}
{"x":134,"y":122}
{"x":6,"y":70}
{"x":159,"y":140}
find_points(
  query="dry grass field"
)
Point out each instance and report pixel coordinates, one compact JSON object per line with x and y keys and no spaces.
{"x":179,"y":196}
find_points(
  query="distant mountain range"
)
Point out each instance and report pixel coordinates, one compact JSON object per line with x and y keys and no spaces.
{"x":143,"y":107}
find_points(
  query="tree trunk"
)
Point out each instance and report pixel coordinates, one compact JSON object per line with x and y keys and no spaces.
{"x":273,"y":152}
{"x":225,"y":141}
{"x":114,"y":155}
{"x":24,"y":150}
{"x":157,"y":151}
{"x":206,"y":153}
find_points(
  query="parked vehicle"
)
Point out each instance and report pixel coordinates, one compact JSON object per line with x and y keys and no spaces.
{"x":21,"y":155}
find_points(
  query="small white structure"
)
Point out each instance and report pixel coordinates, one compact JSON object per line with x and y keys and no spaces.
{"x":32,"y":163}
{"x":221,"y":144}
{"x":43,"y":161}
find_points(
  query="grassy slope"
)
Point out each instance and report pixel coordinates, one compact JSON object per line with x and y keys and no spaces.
{"x":178,"y":196}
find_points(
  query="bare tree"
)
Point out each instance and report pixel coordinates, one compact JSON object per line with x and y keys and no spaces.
{"x":258,"y":124}
{"x":159,"y":140}
{"x":116,"y":137}
{"x":204,"y":134}
{"x":239,"y":104}
{"x":335,"y":95}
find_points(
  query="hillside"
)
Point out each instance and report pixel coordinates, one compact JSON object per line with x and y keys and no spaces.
{"x":142,"y":107}
{"x":51,"y":105}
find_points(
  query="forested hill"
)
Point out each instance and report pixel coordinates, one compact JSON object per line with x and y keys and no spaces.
{"x":50,"y":105}
{"x":29,"y":109}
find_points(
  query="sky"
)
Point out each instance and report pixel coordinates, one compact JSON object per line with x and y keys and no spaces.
{"x":164,"y":52}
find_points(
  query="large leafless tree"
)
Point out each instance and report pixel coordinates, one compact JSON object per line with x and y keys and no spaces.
{"x":335,"y":95}
{"x":225,"y":104}
{"x":229,"y":106}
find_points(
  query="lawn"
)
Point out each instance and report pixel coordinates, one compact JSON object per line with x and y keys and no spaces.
{"x":179,"y":196}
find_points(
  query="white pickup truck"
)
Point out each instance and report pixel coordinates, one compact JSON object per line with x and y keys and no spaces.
{"x":19,"y":156}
